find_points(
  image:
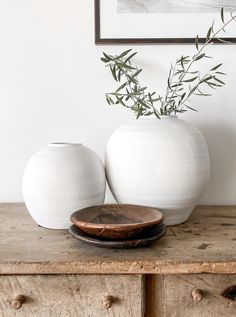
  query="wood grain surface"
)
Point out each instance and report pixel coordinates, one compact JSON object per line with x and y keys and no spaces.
{"x":72,"y":296}
{"x":172,"y":296}
{"x":117,"y":221}
{"x":205,"y":243}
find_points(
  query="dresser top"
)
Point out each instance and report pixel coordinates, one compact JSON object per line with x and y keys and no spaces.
{"x":205,"y":243}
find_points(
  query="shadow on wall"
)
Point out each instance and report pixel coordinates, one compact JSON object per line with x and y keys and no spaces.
{"x":221,"y":142}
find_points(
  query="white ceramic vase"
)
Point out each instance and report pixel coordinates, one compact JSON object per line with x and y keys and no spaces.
{"x":61,"y":179}
{"x":159,"y":163}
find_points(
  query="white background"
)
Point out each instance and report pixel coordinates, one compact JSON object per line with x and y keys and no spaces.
{"x":52,"y":88}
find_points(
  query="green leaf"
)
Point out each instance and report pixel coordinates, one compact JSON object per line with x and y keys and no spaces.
{"x":183,"y":58}
{"x":207,"y":78}
{"x":182,"y":62}
{"x":109,"y":100}
{"x":180,"y":71}
{"x":219,"y":81}
{"x":125,"y":66}
{"x":156,"y":113}
{"x":131,"y":56}
{"x":107,"y":56}
{"x":224,"y":41}
{"x":190,"y":108}
{"x":192,"y":90}
{"x":199,"y":56}
{"x":208,"y":34}
{"x":133,"y":80}
{"x":212,"y":26}
{"x":135,"y":93}
{"x":168,"y":83}
{"x":189,"y":80}
{"x":216,"y":67}
{"x":157,"y":99}
{"x":221,"y":73}
{"x":176,"y":85}
{"x":137,"y":72}
{"x":180,"y":111}
{"x":139,"y":112}
{"x":119,"y":75}
{"x":143,"y":104}
{"x":213,"y":84}
{"x":121,"y":87}
{"x":124,"y":53}
{"x":121,"y":101}
{"x":182,"y":96}
{"x":222,"y":15}
{"x":113,"y":71}
{"x":104,"y":60}
{"x":196,"y":42}
{"x":129,"y":67}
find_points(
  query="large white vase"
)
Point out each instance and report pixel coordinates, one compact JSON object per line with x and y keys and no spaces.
{"x":61,"y":179}
{"x":160,"y":163}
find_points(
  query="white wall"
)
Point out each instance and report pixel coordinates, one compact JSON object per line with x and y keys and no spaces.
{"x":52,"y":88}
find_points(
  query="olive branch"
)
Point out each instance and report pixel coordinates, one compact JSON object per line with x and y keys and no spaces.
{"x":182,"y":82}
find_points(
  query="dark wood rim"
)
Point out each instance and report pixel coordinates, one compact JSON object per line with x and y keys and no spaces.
{"x":117,"y":226}
{"x":165,"y":41}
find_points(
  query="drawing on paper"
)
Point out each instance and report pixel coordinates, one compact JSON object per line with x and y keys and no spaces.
{"x":173,"y":6}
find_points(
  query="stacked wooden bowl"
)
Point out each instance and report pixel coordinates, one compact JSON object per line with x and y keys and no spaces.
{"x":118,"y":226}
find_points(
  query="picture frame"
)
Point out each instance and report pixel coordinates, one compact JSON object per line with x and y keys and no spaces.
{"x":101,"y":39}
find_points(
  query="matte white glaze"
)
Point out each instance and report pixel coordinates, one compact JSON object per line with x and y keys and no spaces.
{"x":61,"y":179}
{"x":160,"y":163}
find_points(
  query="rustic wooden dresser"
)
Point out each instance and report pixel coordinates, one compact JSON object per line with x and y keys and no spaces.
{"x":191,"y":272}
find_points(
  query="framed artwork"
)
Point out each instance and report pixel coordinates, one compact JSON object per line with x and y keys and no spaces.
{"x":158,"y":21}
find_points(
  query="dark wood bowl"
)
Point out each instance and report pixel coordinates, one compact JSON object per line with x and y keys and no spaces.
{"x":118,"y":244}
{"x":116,"y":221}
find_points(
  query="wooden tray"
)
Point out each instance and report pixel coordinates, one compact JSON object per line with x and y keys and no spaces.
{"x":116,"y":221}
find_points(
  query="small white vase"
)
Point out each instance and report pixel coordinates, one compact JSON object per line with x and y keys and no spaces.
{"x":61,"y":179}
{"x":159,"y":163}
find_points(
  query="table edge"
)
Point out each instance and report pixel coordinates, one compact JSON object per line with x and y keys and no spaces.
{"x":99,"y":267}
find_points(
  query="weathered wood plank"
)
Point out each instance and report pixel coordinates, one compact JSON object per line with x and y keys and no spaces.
{"x":205,"y":243}
{"x":154,"y":295}
{"x":173,"y":295}
{"x":72,"y":295}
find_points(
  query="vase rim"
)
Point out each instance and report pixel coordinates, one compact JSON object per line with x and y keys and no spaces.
{"x":63,"y":144}
{"x":161,"y":117}
{"x":169,"y":116}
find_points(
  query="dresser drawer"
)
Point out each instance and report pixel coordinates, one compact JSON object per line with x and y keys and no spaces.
{"x":195,"y":295}
{"x":71,"y":296}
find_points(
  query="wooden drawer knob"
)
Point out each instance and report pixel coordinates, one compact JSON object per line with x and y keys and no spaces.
{"x":196,"y":294}
{"x":107,"y":301}
{"x":18,"y":301}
